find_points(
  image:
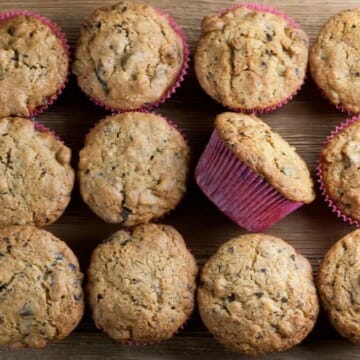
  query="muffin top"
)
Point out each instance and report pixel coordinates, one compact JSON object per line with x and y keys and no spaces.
{"x":133,"y":168}
{"x":334,"y":60}
{"x":257,"y":295}
{"x":338,"y":285}
{"x":128,"y":56}
{"x":36,"y":178}
{"x":250,"y":59}
{"x":267,"y":153}
{"x":141,"y":284}
{"x":33,"y":65}
{"x":40,"y":291}
{"x":340,"y":162}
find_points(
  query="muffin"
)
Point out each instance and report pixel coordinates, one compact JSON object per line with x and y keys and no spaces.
{"x":251,"y":58}
{"x":130,"y":56}
{"x":40,"y":291}
{"x":34,"y":63}
{"x":257,"y":295}
{"x":338,"y":171}
{"x":338,"y":286}
{"x":36,"y":178}
{"x":141,"y":284}
{"x":334,"y":60}
{"x":133,"y":168}
{"x":252,"y":174}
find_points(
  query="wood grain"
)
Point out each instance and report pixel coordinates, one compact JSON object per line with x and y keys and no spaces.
{"x":304,"y":122}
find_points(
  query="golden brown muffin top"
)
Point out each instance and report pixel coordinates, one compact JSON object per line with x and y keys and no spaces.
{"x":128,"y":56}
{"x":33,"y":65}
{"x":267,"y":153}
{"x":40,"y":287}
{"x":340,"y":162}
{"x":250,"y":59}
{"x":36,"y":177}
{"x":257,"y":295}
{"x":334,"y":60}
{"x":141,"y":284}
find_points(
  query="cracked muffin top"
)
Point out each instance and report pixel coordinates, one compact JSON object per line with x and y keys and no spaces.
{"x":128,"y":56}
{"x":267,"y":153}
{"x":334,"y":60}
{"x":338,"y":285}
{"x":133,"y":168}
{"x":40,"y":288}
{"x":141,"y":284}
{"x":33,"y":65}
{"x":36,"y":178}
{"x":340,"y":162}
{"x":257,"y":295}
{"x":250,"y":59}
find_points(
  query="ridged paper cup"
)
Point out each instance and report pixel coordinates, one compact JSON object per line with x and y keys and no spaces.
{"x":239,"y":192}
{"x":319,"y":172}
{"x":176,"y":84}
{"x":59,"y":34}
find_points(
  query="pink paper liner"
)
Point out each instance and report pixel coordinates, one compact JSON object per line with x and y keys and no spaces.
{"x":239,"y":192}
{"x":59,"y":34}
{"x":292,"y":23}
{"x":180,"y":78}
{"x":43,"y":129}
{"x":320,"y":179}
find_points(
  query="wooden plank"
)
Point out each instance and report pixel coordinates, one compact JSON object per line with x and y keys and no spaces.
{"x":304,"y":122}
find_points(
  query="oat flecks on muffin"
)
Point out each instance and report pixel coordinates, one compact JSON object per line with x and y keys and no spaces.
{"x":250,"y":59}
{"x":36,"y":178}
{"x":257,"y":295}
{"x":334,"y":60}
{"x":267,"y":153}
{"x":340,"y":162}
{"x":133,"y":168}
{"x":128,"y":56}
{"x":338,"y":285}
{"x":33,"y":65}
{"x":40,"y":288}
{"x":141,"y":284}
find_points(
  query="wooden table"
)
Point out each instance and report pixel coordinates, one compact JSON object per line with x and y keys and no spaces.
{"x":304,"y":122}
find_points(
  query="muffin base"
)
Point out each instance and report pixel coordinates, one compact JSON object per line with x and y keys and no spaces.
{"x":320,"y":178}
{"x":59,"y":34}
{"x":239,"y":192}
{"x":168,"y":93}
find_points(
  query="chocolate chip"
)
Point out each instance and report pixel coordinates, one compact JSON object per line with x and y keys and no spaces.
{"x":263,"y":270}
{"x":124,"y":9}
{"x":292,"y":257}
{"x":125,"y":213}
{"x":26,"y":311}
{"x":72,"y":267}
{"x":11,"y":30}
{"x":59,"y":256}
{"x":263,"y":65}
{"x":231,"y":298}
{"x":100,"y":296}
{"x":124,"y":242}
{"x":268,"y":37}
{"x":1,"y":255}
{"x":6,"y":239}
{"x":230,"y":250}
{"x":8,"y":249}
{"x":284,"y":300}
{"x":2,"y":286}
{"x":357,"y":74}
{"x":259,"y":294}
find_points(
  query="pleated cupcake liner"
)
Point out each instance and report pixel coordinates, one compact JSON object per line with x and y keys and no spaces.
{"x":59,"y":34}
{"x":320,"y":177}
{"x":239,"y":192}
{"x":173,"y":88}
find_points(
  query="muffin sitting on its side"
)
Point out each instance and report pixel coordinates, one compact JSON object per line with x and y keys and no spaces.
{"x":141,"y":284}
{"x":257,"y":295}
{"x":133,"y":168}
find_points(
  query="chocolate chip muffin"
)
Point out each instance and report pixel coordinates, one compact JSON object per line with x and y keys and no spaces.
{"x":334,"y":60}
{"x":40,"y":288}
{"x":33,"y":63}
{"x":257,"y":295}
{"x":129,"y":56}
{"x":338,"y":285}
{"x":36,"y":178}
{"x":339,"y":170}
{"x":141,"y":284}
{"x":251,"y":58}
{"x":133,"y":168}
